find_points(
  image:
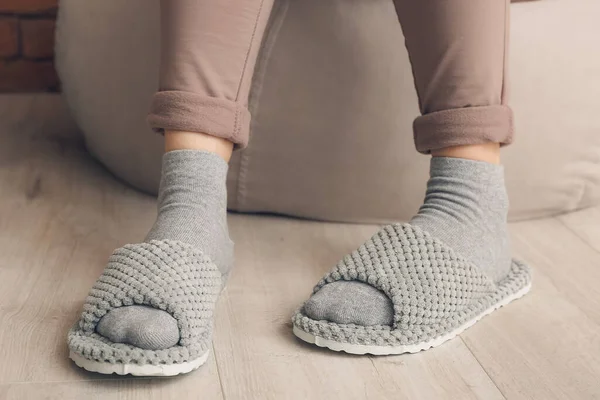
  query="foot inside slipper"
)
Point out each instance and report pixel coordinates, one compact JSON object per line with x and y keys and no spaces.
{"x":167,"y":275}
{"x":436,"y":293}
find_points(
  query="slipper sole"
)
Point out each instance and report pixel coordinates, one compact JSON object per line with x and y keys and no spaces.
{"x":138,"y":370}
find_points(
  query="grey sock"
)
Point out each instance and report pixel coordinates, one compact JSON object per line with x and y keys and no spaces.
{"x":465,"y":207}
{"x":140,"y":326}
{"x":350,"y":302}
{"x":192,"y":208}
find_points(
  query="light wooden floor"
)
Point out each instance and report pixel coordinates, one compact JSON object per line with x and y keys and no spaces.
{"x":61,"y":215}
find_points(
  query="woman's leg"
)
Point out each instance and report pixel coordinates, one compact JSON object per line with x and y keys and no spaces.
{"x":208,"y":53}
{"x":458,"y":52}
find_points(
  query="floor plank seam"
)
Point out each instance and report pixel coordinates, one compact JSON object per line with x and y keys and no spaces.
{"x":483,"y":368}
{"x":574,"y":232}
{"x":563,"y":296}
{"x":372,"y":359}
{"x":223,"y":396}
{"x":557,"y":288}
{"x":93,"y":380}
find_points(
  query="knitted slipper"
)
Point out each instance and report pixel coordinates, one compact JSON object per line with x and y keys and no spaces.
{"x":436,"y":294}
{"x":167,"y":275}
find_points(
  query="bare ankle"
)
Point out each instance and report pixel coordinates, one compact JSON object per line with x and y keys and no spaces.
{"x":179,"y":140}
{"x":488,"y":152}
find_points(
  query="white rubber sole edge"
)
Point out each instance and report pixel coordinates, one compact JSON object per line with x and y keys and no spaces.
{"x":415,"y":348}
{"x":138,"y":370}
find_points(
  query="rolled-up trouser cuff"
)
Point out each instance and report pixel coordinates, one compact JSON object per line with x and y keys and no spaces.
{"x":186,"y":111}
{"x":463,"y":126}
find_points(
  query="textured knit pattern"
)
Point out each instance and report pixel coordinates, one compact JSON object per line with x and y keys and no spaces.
{"x":433,"y":290}
{"x":465,"y":207}
{"x":167,"y":275}
{"x":192,"y":209}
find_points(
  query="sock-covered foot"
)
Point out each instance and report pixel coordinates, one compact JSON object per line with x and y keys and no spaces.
{"x":465,"y":207}
{"x":192,"y":208}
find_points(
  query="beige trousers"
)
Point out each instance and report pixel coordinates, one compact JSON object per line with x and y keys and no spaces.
{"x":458,"y":52}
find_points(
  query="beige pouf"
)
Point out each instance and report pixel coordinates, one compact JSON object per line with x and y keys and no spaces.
{"x":333,"y":104}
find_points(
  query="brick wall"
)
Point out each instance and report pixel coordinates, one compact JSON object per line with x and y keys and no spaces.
{"x":27,"y":46}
